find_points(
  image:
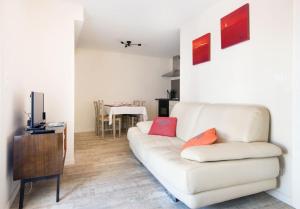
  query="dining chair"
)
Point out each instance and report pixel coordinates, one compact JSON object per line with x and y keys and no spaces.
{"x":102,"y":120}
{"x":133,"y":119}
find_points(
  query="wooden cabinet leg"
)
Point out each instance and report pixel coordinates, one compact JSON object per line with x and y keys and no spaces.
{"x":22,"y":188}
{"x":57,"y":188}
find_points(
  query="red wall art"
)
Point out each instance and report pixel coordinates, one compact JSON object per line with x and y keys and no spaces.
{"x":201,"y":49}
{"x":235,"y":27}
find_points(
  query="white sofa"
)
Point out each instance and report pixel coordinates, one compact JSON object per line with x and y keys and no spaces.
{"x":242,"y":162}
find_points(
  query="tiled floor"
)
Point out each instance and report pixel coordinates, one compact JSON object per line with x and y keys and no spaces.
{"x":106,"y":175}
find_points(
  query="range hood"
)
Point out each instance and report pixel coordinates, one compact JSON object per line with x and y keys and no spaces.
{"x":176,"y":68}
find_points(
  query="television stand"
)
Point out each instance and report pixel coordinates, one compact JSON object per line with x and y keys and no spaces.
{"x":41,"y":127}
{"x":39,"y":156}
{"x":41,"y":131}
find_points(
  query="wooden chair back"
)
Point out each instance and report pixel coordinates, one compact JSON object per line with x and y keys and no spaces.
{"x":99,"y":109}
{"x":139,"y":103}
{"x":96,"y":108}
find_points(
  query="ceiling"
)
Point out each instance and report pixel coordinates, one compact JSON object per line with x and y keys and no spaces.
{"x":154,"y":23}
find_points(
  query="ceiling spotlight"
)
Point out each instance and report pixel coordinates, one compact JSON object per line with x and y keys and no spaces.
{"x":129,"y":44}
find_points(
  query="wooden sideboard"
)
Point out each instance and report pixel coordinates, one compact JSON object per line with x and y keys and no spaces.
{"x":39,"y":156}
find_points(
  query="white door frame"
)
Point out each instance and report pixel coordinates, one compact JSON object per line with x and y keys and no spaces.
{"x":296,"y":104}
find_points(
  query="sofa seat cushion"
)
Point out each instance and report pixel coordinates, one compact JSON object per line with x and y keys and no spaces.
{"x":161,"y":155}
{"x":142,"y":142}
{"x":231,"y":151}
{"x":192,"y":177}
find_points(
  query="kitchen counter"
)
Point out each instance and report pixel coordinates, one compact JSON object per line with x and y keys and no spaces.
{"x":174,"y":99}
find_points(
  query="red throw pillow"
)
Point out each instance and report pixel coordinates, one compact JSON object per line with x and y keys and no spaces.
{"x":164,"y":126}
{"x":205,"y":138}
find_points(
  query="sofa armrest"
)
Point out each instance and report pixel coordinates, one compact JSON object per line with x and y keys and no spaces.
{"x":144,"y":126}
{"x":231,"y":151}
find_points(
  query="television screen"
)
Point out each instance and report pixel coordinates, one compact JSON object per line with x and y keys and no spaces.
{"x":37,"y":109}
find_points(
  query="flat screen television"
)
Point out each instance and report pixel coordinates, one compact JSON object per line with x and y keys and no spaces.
{"x":37,"y":109}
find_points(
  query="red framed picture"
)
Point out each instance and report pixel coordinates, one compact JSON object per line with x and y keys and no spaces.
{"x":235,"y":27}
{"x":201,"y":49}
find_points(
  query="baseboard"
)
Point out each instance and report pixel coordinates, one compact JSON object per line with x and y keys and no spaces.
{"x":13,"y":196}
{"x":85,"y":131}
{"x":282,"y":197}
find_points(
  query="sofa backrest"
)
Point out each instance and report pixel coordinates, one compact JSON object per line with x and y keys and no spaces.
{"x":187,"y":115}
{"x":246,"y":123}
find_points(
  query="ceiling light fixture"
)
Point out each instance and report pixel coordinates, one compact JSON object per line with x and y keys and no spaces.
{"x":129,"y":44}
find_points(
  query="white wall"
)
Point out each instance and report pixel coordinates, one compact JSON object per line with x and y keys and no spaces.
{"x":116,"y":77}
{"x":38,"y":54}
{"x":3,"y":201}
{"x":258,"y":71}
{"x":296,"y":109}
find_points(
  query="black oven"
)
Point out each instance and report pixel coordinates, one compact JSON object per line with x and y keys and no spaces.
{"x":163,"y":107}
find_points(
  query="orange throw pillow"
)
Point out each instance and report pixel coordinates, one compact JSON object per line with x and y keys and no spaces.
{"x":205,"y":138}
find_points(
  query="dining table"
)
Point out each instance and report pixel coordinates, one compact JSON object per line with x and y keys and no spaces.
{"x":125,"y":109}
